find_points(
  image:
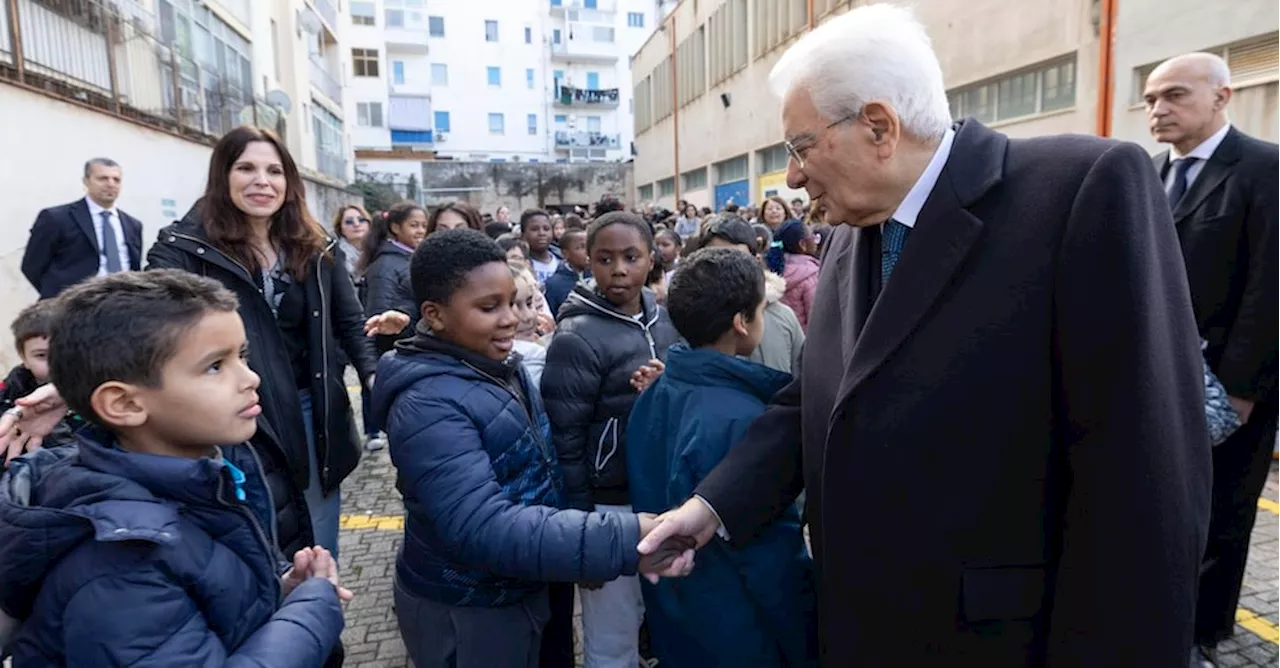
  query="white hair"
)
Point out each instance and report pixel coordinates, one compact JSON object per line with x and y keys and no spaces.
{"x":875,"y":52}
{"x":1219,"y":72}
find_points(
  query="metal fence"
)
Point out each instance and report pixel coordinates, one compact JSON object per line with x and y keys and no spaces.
{"x":107,"y":54}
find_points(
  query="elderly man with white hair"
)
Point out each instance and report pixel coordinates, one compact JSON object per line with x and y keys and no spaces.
{"x":999,"y":422}
{"x":1222,"y":186}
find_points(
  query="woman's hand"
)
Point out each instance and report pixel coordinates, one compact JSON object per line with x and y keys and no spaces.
{"x":546,"y":324}
{"x":24,"y":427}
{"x":643,"y":377}
{"x":387,"y":323}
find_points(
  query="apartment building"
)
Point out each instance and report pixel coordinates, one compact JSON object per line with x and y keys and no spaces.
{"x":494,"y":81}
{"x":708,"y":128}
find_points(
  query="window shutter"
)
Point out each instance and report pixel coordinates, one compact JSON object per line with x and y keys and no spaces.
{"x":1254,"y":62}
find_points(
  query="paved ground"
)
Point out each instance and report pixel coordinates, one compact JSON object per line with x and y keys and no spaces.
{"x":372,"y":530}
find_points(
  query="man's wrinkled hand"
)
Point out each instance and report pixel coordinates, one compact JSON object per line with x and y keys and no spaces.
{"x":686,"y":528}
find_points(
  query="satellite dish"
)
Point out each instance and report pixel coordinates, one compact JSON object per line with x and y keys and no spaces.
{"x":280,"y":100}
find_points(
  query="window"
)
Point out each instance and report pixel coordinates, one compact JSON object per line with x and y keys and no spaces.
{"x":694,"y":180}
{"x":661,"y":90}
{"x":691,"y":61}
{"x":435,"y":26}
{"x":439,"y":74}
{"x":602,"y":34}
{"x":555,"y":36}
{"x":397,"y":72}
{"x":395,"y":18}
{"x":497,"y":124}
{"x":593,"y":124}
{"x":1040,"y":89}
{"x":528,"y":35}
{"x":772,"y":159}
{"x":275,"y":49}
{"x":362,"y":13}
{"x":495,"y":76}
{"x":490,"y":31}
{"x":533,"y":124}
{"x":528,"y":77}
{"x":561,"y":120}
{"x":590,"y":4}
{"x":1251,"y":62}
{"x":593,"y":80}
{"x":364,"y":62}
{"x":666,"y":187}
{"x":643,"y":113}
{"x":635,"y":20}
{"x":645,"y":193}
{"x":727,"y":40}
{"x":778,"y":21}
{"x":733,"y":169}
{"x":369,"y":114}
{"x":442,"y":121}
{"x":558,"y":76}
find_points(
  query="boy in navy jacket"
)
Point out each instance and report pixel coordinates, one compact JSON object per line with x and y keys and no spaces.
{"x":740,"y":607}
{"x":151,"y":540}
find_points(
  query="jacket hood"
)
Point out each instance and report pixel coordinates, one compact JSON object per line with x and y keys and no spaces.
{"x":711,"y":368}
{"x":800,"y":267}
{"x":775,"y":287}
{"x":52,"y":500}
{"x":425,"y":356}
{"x":584,"y":300}
{"x":389,"y":248}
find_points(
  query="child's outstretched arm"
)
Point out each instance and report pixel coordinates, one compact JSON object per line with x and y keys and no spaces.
{"x":144,"y":619}
{"x":570,"y":390}
{"x":449,"y":481}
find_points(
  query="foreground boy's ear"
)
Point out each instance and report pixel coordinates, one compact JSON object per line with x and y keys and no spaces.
{"x":431,"y":316}
{"x":740,"y":324}
{"x":117,"y":405}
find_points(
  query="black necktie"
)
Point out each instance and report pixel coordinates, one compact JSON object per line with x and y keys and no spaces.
{"x":110,"y":251}
{"x":1179,"y":187}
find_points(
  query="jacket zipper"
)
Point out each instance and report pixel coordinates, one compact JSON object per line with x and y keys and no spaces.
{"x":271,"y":548}
{"x":204,"y":244}
{"x":324,"y":380}
{"x":537,"y":433}
{"x":644,"y":326}
{"x":271,"y":500}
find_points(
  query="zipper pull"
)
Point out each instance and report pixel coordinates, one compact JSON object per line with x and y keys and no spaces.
{"x":237,"y":479}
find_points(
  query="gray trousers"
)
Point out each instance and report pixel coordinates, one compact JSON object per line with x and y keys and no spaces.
{"x":445,"y":636}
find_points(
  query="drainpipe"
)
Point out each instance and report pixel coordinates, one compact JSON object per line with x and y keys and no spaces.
{"x":675,"y":110}
{"x":812,"y":18}
{"x":1106,"y":66}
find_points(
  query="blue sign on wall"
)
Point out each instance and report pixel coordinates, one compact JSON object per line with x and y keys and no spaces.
{"x":735,"y":191}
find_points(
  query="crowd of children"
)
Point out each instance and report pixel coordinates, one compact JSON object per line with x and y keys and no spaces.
{"x":559,"y":384}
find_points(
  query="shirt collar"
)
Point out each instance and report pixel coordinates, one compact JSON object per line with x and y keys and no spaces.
{"x":910,"y":208}
{"x":95,"y":210}
{"x":403,"y":247}
{"x":1205,"y":149}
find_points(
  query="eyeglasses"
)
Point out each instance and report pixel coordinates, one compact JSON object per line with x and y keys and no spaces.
{"x":794,"y":152}
{"x":355,"y":221}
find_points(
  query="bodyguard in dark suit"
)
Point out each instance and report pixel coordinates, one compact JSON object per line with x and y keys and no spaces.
{"x":999,"y":422}
{"x":88,"y":237}
{"x":1222,"y":187}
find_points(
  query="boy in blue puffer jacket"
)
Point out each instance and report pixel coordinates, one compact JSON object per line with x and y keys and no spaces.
{"x":485,"y":528}
{"x":151,"y":540}
{"x":752,"y":606}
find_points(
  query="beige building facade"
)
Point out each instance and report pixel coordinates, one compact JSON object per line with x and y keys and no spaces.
{"x":1026,"y":68}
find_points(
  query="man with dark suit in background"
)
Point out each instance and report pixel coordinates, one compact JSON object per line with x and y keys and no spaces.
{"x":999,"y":420}
{"x":88,"y":237}
{"x":1222,"y":188}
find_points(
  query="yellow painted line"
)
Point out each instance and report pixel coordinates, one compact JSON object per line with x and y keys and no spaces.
{"x":377,"y":522}
{"x":1269,"y":505}
{"x":1258,"y":626}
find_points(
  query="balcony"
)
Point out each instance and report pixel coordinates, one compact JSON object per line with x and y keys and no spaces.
{"x":568,"y":96}
{"x":565,"y":7}
{"x":565,"y":139}
{"x":323,"y":81}
{"x":582,"y":45}
{"x":403,"y":33}
{"x":328,"y":12}
{"x":331,"y":164}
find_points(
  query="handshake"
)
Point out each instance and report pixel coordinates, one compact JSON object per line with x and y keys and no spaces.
{"x":668,"y":541}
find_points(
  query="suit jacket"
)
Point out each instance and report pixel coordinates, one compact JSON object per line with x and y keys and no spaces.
{"x":1005,"y":452}
{"x":63,"y":248}
{"x":1226,"y":222}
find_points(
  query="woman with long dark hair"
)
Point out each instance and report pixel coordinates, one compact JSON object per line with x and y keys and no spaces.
{"x":252,"y":232}
{"x":454,"y":215}
{"x":385,"y":266}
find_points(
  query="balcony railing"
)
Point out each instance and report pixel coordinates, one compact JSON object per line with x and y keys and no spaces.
{"x":586,"y":140}
{"x":107,"y":55}
{"x":328,"y":12}
{"x":584,"y":48}
{"x":604,"y":97}
{"x":321,"y":79}
{"x":331,"y":164}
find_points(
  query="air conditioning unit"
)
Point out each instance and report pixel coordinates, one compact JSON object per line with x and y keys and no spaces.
{"x":442,"y":137}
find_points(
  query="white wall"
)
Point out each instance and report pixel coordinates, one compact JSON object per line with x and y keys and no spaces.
{"x":366,"y":89}
{"x":55,"y":139}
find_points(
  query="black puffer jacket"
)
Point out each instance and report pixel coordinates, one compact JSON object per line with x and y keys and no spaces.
{"x":387,"y":288}
{"x":586,"y":387}
{"x":331,"y":300}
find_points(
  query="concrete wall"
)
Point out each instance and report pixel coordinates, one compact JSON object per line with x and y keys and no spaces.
{"x":488,"y":185}
{"x":47,"y":142}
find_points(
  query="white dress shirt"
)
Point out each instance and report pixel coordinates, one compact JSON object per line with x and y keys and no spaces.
{"x":95,"y":215}
{"x":1204,"y":151}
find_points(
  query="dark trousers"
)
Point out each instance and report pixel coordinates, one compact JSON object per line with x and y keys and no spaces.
{"x":557,"y":637}
{"x":1240,"y":468}
{"x":446,"y":636}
